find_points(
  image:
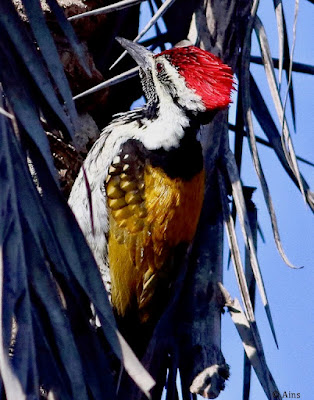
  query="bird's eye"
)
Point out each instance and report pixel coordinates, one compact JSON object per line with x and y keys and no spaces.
{"x":159,"y":67}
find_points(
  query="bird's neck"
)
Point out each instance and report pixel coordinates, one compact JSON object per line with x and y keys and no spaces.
{"x":167,"y":125}
{"x":162,"y":131}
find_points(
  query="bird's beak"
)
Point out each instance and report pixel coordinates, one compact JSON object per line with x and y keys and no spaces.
{"x":141,"y":55}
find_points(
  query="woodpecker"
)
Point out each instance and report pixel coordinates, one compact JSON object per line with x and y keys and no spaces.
{"x":146,"y":178}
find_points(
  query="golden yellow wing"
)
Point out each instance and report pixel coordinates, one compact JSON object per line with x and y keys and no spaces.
{"x":149,"y":214}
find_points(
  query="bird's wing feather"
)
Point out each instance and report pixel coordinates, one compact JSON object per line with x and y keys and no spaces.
{"x":149,"y":215}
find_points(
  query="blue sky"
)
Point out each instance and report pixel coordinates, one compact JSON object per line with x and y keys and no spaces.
{"x":290,"y":292}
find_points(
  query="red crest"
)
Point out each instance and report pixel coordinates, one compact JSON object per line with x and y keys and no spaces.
{"x":205,"y":73}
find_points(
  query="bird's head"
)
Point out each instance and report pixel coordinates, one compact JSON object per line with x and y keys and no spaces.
{"x":195,"y":79}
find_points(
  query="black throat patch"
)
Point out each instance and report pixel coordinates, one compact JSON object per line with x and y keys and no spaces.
{"x":183,"y":162}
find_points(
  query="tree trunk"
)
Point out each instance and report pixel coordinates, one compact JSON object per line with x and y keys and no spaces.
{"x":217,"y":26}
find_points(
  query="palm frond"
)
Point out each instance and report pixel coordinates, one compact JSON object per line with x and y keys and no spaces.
{"x":234,"y":250}
{"x":50,"y":54}
{"x":269,"y":69}
{"x":120,"y":5}
{"x":9,"y":381}
{"x":247,"y":234}
{"x":47,"y":227}
{"x":281,"y":36}
{"x":252,"y":344}
{"x":249,"y":276}
{"x":69,"y":34}
{"x":47,"y":316}
{"x":284,"y":54}
{"x":258,"y":167}
{"x":296,"y":66}
{"x":14,"y":34}
{"x":18,"y":89}
{"x":282,"y":144}
{"x":160,"y":12}
{"x":266,"y":142}
{"x":90,"y":281}
{"x":290,"y":92}
{"x":266,"y":122}
{"x":110,"y":82}
{"x":5,"y":113}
